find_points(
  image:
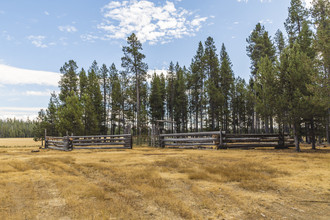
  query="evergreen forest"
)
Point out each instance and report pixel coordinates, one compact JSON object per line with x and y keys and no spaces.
{"x":288,"y":90}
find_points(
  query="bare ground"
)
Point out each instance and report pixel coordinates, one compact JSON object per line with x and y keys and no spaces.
{"x":148,"y":183}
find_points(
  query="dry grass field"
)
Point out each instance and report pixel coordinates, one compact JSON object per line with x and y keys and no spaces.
{"x":148,"y":183}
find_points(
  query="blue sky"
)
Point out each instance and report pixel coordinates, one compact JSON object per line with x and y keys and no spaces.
{"x":38,"y":36}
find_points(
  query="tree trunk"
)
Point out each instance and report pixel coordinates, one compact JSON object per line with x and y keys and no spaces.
{"x":296,"y":138}
{"x":327,"y":127}
{"x":313,"y":133}
{"x":271,"y":125}
{"x":267,"y":125}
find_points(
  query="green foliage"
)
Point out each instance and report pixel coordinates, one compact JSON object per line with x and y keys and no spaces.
{"x":69,"y":80}
{"x":14,"y":128}
{"x":70,"y":116}
{"x":297,"y":15}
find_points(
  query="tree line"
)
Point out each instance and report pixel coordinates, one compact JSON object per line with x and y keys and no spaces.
{"x":12,"y":128}
{"x":288,"y":90}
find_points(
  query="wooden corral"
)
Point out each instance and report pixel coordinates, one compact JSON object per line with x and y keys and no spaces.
{"x":67,"y":143}
{"x":221,"y":140}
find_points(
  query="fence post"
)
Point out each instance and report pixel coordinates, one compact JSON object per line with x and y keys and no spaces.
{"x":161,"y":141}
{"x":221,"y":145}
{"x":281,"y":141}
{"x":46,"y":141}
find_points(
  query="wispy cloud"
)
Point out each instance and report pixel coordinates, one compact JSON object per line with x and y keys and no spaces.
{"x":17,"y":76}
{"x":38,"y":41}
{"x":46,"y":13}
{"x":18,"y":112}
{"x":150,"y":22}
{"x":266,"y":21}
{"x":68,"y":28}
{"x":37,"y":93}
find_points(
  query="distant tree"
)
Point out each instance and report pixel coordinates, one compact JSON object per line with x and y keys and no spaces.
{"x":294,"y":72}
{"x":170,"y":92}
{"x":297,"y":14}
{"x":197,"y":85}
{"x":156,"y":98}
{"x":279,"y":41}
{"x":265,"y":87}
{"x":227,"y":85}
{"x":70,"y":116}
{"x":212,"y":71}
{"x":320,"y":12}
{"x":69,"y":80}
{"x":181,"y":100}
{"x":133,"y":63}
{"x":105,"y":89}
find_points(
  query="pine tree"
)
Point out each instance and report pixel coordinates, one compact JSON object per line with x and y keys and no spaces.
{"x":133,"y":62}
{"x":320,"y":13}
{"x":105,"y":88}
{"x":212,"y":71}
{"x":94,"y":106}
{"x":279,"y":41}
{"x":181,"y":100}
{"x":266,"y":90}
{"x":296,"y":16}
{"x":116,"y":98}
{"x":156,"y":99}
{"x":294,"y":72}
{"x":170,"y":92}
{"x":70,"y":116}
{"x":69,"y":80}
{"x":227,"y":83}
{"x":197,"y":85}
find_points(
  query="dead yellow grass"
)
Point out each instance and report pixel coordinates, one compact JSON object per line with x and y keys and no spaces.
{"x":18,"y":142}
{"x":147,"y":183}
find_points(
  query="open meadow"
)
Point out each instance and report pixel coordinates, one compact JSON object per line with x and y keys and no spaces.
{"x":149,"y":183}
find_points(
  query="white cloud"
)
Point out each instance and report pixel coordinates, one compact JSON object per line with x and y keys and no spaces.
{"x":68,"y":28}
{"x":37,"y":93}
{"x":38,"y":41}
{"x":308,"y":3}
{"x":157,"y":71}
{"x":19,"y":113}
{"x":150,"y":22}
{"x":46,"y":13}
{"x":266,"y":21}
{"x":17,"y":76}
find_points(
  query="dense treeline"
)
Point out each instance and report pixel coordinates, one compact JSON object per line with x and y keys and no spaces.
{"x":288,"y":90}
{"x":12,"y":128}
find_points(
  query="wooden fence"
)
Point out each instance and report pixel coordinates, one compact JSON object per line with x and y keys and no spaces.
{"x":221,"y":140}
{"x":68,"y":143}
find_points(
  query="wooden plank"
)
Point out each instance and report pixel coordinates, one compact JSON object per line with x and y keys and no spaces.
{"x":250,"y":135}
{"x":192,"y":134}
{"x":189,"y":139}
{"x":55,"y":138}
{"x":55,"y":142}
{"x":100,"y":136}
{"x":97,"y":144}
{"x":244,"y":140}
{"x":99,"y":148}
{"x":97,"y":140}
{"x":190,"y":144}
{"x":249,"y":145}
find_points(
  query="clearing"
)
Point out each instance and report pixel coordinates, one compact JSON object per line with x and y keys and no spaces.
{"x":149,"y":183}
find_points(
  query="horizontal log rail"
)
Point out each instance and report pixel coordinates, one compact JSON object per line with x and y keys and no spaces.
{"x":68,"y":143}
{"x":221,"y":140}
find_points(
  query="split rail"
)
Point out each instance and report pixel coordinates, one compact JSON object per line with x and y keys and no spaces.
{"x":68,"y":143}
{"x":221,"y":140}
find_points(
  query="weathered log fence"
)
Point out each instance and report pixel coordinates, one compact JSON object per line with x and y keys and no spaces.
{"x":221,"y":140}
{"x":68,"y":143}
